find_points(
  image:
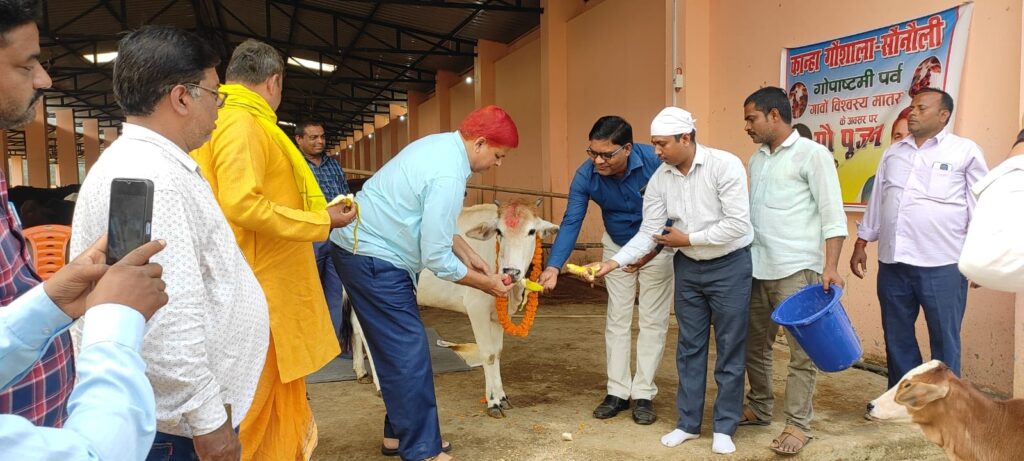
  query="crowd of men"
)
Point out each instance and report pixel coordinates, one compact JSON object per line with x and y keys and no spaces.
{"x":195,"y":345}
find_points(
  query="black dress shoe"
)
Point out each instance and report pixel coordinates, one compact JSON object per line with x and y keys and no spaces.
{"x":643,"y":412}
{"x":611,"y":406}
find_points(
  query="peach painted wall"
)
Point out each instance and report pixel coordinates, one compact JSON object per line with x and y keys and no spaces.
{"x":383,"y":136}
{"x":616,"y":61}
{"x":463,"y":101}
{"x":403,"y":134}
{"x":429,"y":121}
{"x":744,"y":54}
{"x":517,"y":90}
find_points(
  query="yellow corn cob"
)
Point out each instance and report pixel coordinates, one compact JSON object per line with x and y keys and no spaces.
{"x":531,"y":285}
{"x":586,"y":272}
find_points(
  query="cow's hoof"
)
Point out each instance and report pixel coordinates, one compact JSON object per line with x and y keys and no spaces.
{"x":366,"y":379}
{"x":495,"y":412}
{"x":505,"y":404}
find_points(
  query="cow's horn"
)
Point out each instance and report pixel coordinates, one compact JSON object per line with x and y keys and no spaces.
{"x":538,"y":203}
{"x":497,"y":203}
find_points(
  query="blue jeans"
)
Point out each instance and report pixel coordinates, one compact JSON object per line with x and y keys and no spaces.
{"x":942,"y":293}
{"x":331,"y":283}
{"x":384,"y":299}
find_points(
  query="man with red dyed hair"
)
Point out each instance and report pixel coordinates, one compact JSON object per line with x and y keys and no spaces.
{"x":408,"y":210}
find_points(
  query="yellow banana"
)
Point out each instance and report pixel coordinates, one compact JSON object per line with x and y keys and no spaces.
{"x":344,"y":199}
{"x":350,"y":201}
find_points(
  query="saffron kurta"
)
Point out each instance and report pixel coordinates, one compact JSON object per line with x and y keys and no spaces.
{"x":253,"y":180}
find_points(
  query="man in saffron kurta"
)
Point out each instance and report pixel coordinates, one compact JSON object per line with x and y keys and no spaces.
{"x":276,"y":210}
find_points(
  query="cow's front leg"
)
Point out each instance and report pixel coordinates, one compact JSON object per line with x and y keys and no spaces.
{"x":489,"y":347}
{"x":499,"y":339}
{"x":361,"y":352}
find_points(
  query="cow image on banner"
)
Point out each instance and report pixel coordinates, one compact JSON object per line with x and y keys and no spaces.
{"x":853,"y":92}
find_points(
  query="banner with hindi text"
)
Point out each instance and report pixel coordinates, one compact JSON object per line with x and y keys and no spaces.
{"x":853,"y":93}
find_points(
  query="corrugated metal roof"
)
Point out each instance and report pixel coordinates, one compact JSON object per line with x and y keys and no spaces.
{"x":383,"y":49}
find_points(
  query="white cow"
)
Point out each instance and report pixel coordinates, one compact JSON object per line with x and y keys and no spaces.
{"x":516,"y":225}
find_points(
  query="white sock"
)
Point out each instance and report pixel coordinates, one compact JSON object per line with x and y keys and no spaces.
{"x":676,"y":437}
{"x":722,"y":444}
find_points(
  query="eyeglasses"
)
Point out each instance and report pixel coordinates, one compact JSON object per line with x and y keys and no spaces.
{"x":605,"y":155}
{"x":220,"y":95}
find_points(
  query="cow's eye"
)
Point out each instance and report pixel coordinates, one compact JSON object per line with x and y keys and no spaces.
{"x":532,"y":231}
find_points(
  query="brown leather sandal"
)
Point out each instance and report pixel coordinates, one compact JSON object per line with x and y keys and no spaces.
{"x":751,"y":419}
{"x":787,"y":433}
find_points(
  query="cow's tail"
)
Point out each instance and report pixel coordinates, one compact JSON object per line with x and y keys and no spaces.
{"x":346,"y":323}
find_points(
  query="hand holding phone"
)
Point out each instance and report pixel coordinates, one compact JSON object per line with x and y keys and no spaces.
{"x":130,"y":218}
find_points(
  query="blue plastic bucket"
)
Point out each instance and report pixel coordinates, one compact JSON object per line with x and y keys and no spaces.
{"x":819,"y":323}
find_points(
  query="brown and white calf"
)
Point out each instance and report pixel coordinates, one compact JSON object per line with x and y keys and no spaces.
{"x":968,"y":425}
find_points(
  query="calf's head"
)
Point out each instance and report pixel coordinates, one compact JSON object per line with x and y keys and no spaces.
{"x":516,"y":226}
{"x":890,"y":407}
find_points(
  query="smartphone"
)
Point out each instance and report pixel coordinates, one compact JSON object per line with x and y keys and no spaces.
{"x":131,"y":215}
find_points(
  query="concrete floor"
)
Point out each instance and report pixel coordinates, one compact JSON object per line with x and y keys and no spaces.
{"x":555,"y":378}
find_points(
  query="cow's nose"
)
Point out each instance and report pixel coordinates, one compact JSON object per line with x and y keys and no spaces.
{"x":871,"y":406}
{"x":514,"y":273}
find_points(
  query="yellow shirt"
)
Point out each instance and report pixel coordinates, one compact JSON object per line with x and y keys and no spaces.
{"x":253,"y":182}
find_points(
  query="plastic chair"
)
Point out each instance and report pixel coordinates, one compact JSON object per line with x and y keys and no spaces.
{"x":48,"y":244}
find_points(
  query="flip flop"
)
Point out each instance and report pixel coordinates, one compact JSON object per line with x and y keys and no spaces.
{"x":787,"y":433}
{"x":445,"y":447}
{"x":751,"y":419}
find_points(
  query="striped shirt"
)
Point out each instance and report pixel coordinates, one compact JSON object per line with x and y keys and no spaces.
{"x":709,"y":203}
{"x":40,"y":395}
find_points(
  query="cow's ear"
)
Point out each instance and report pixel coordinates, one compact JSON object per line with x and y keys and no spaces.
{"x":547,"y":229}
{"x":915,"y":395}
{"x":483,"y":231}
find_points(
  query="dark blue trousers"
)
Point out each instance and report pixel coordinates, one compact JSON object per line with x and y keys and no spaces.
{"x":942,"y":293}
{"x":331,"y":283}
{"x":384,"y":299}
{"x":713,"y":292}
{"x":167,"y":447}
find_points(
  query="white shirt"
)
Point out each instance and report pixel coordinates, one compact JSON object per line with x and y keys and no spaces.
{"x":921,"y":202}
{"x":993,"y":254}
{"x":207,"y":346}
{"x":709,"y":203}
{"x":795,"y":205}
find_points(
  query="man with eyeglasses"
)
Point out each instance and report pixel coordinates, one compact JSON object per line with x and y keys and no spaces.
{"x":204,"y":350}
{"x":310,"y":138}
{"x":615,"y":178}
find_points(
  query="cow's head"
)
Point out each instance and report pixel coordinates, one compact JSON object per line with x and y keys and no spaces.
{"x":517,"y":226}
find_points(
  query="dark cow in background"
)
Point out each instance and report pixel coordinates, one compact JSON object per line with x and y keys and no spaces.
{"x":37,"y":206}
{"x":356,"y":185}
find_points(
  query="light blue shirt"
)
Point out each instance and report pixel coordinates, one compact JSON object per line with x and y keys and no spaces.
{"x":409,"y":208}
{"x":795,"y":205}
{"x":111,"y":412}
